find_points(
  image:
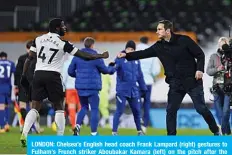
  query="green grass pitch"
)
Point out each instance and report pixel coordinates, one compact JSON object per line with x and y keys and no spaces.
{"x":10,"y":144}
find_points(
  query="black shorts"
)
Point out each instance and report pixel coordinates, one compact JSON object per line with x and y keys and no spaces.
{"x":47,"y":84}
{"x":22,"y":95}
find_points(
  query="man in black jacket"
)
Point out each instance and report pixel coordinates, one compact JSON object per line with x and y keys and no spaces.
{"x":23,"y":98}
{"x":183,"y":74}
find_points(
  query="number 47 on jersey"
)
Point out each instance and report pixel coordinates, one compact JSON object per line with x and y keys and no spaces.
{"x":43,"y":56}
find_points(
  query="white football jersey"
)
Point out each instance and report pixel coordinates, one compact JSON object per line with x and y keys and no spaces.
{"x":50,"y":50}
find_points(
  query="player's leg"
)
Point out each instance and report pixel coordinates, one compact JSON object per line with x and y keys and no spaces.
{"x":2,"y":113}
{"x":36,"y":126}
{"x":30,"y":119}
{"x":55,"y":93}
{"x":94,"y":104}
{"x":7,"y":114}
{"x":84,"y":109}
{"x":175,"y":97}
{"x":38,"y":94}
{"x":26,"y":106}
{"x":197,"y":96}
{"x":23,"y":111}
{"x":226,"y":116}
{"x":218,"y":103}
{"x":50,"y":115}
{"x":146,"y":107}
{"x":120,"y":106}
{"x":72,"y":101}
{"x":135,"y":108}
{"x":22,"y":99}
{"x":59,"y":116}
{"x":78,"y":102}
{"x":72,"y":114}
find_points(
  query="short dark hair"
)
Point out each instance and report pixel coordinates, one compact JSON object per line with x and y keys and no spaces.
{"x":3,"y":54}
{"x":144,"y":39}
{"x":54,"y":23}
{"x":88,"y":42}
{"x":167,"y":24}
{"x":131,"y":44}
{"x":29,"y":44}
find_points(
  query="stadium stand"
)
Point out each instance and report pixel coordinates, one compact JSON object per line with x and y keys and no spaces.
{"x":205,"y":19}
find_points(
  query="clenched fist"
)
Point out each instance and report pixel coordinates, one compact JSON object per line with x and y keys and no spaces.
{"x":105,"y":55}
{"x":199,"y":75}
{"x":121,"y":55}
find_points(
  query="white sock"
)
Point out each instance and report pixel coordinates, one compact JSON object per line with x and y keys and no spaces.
{"x":49,"y":121}
{"x":140,"y":131}
{"x":93,"y":133}
{"x":30,"y":120}
{"x":37,"y":124}
{"x":77,"y":125}
{"x":144,"y":128}
{"x":60,"y":122}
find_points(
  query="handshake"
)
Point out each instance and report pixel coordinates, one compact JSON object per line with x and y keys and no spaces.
{"x":120,"y":55}
{"x":106,"y":55}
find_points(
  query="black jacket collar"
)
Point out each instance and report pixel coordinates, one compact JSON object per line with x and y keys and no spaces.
{"x":173,"y":37}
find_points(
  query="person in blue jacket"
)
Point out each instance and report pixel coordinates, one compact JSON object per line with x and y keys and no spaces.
{"x":88,"y":84}
{"x":7,"y":69}
{"x":130,"y":85}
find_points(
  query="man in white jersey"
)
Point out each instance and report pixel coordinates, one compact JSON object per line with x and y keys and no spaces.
{"x":49,"y":50}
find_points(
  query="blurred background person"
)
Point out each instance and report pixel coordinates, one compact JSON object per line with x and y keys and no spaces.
{"x":88,"y":84}
{"x":23,"y":98}
{"x":104,"y":101}
{"x":129,"y":84}
{"x":71,"y":96}
{"x":221,"y":101}
{"x":7,"y":68}
{"x":151,"y":68}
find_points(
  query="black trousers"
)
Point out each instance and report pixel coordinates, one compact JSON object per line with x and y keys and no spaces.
{"x":175,"y":96}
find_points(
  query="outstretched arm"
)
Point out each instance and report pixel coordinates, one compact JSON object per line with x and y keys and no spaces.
{"x":69,"y":48}
{"x":142,"y":54}
{"x":88,"y":56}
{"x":103,"y":68}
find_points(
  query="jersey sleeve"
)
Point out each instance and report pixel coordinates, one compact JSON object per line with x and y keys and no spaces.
{"x":69,"y":48}
{"x":33,"y":47}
